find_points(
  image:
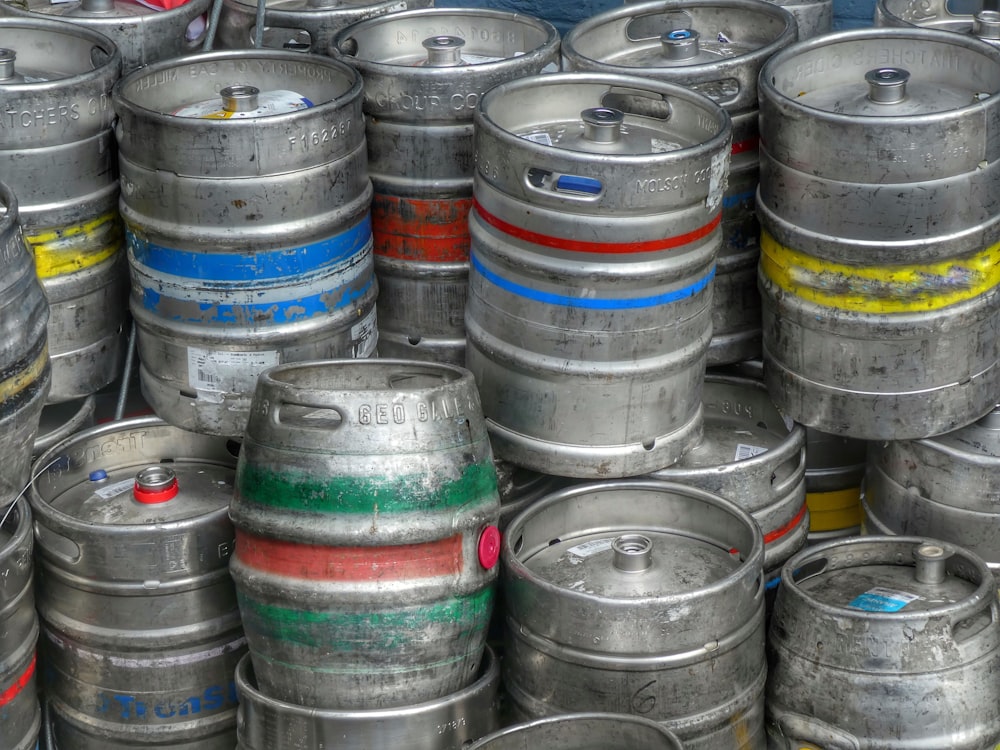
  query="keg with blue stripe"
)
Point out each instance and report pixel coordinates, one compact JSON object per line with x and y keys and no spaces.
{"x":716,"y":47}
{"x":246,"y":201}
{"x":595,"y":227}
{"x":880,"y":243}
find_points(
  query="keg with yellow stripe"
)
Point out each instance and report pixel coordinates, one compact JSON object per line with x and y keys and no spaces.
{"x":25,"y":372}
{"x":835,"y":469}
{"x":57,"y":153}
{"x":596,"y":223}
{"x":881,"y":231}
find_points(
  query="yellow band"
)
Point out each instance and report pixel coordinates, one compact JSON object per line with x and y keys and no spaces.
{"x":18,"y":382}
{"x":76,"y":247}
{"x":880,"y":289}
{"x":830,"y":511}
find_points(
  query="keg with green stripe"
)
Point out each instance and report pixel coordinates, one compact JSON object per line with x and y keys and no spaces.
{"x":57,"y":153}
{"x":366,"y":545}
{"x":880,"y":213}
{"x":245,"y":195}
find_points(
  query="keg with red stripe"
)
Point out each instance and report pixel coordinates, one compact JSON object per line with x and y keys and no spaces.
{"x":595,"y":230}
{"x":424,"y":73}
{"x":366,"y":544}
{"x":20,"y":717}
{"x":716,"y":47}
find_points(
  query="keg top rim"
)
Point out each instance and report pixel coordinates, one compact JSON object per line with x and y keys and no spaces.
{"x":672,"y":742}
{"x":110,"y":68}
{"x":137,"y":11}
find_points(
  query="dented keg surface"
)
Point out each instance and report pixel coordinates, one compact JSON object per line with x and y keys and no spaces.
{"x":751,"y":457}
{"x":25,"y":372}
{"x":143,"y":34}
{"x":448,"y":723}
{"x":595,"y":228}
{"x":946,"y":486}
{"x":884,"y":642}
{"x":300,"y":25}
{"x":366,"y":545}
{"x":641,"y":597}
{"x":20,"y":716}
{"x":835,"y":469}
{"x":716,"y":47}
{"x":262,"y":254}
{"x":424,"y":72}
{"x":977,"y":20}
{"x":140,"y":627}
{"x":593,"y":731}
{"x":57,"y":154}
{"x":878,"y":273}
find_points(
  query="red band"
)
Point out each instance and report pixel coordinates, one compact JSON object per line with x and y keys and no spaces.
{"x":750,"y":144}
{"x":581,"y":246}
{"x":152,"y":497}
{"x":780,"y":532}
{"x":20,"y":684}
{"x":429,"y":230}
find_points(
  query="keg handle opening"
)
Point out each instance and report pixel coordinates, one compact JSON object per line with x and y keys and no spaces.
{"x":638,"y":103}
{"x":810,"y":569}
{"x":348,"y":47}
{"x":796,"y":728}
{"x":577,"y":187}
{"x":319,"y":418}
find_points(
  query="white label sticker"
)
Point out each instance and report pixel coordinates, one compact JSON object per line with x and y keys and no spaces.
{"x":879,"y":599}
{"x":748,"y":451}
{"x":660,"y":146}
{"x":109,"y":491}
{"x":222,"y":372}
{"x":592,"y":547}
{"x":478,"y":59}
{"x":717,"y":181}
{"x":541,"y":137}
{"x":364,"y":337}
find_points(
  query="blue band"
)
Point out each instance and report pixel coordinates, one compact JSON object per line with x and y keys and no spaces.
{"x":731,"y":201}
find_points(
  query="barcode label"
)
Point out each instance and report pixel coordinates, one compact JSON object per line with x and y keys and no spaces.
{"x":364,"y":337}
{"x":544,"y":138}
{"x":221,"y":371}
{"x":748,"y":451}
{"x":592,"y":547}
{"x":114,"y":490}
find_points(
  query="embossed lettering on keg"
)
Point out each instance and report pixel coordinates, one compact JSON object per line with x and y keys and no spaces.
{"x":366,"y":544}
{"x":752,"y":458}
{"x":879,"y":277}
{"x":716,"y":47}
{"x":20,"y":716}
{"x":25,"y":372}
{"x":57,"y":154}
{"x":424,"y":72}
{"x":593,"y":731}
{"x":638,"y":596}
{"x":884,"y":642}
{"x":143,"y":35}
{"x":981,"y":22}
{"x":595,"y":228}
{"x":262,"y":252}
{"x":448,"y":723}
{"x":300,"y":25}
{"x":141,"y":632}
{"x":812,"y":17}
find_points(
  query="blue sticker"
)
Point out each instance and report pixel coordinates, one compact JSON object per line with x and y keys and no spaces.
{"x":882,"y":600}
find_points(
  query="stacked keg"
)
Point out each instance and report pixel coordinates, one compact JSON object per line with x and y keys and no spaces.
{"x":366,"y":551}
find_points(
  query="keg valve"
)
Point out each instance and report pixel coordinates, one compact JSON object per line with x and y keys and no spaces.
{"x":887,"y":85}
{"x":240,"y":98}
{"x":7,"y":74}
{"x":680,"y":44}
{"x":633,"y":553}
{"x":97,"y":6}
{"x":155,"y":484}
{"x":602,"y":124}
{"x":931,"y":560}
{"x":986,"y":25}
{"x":444,"y":51}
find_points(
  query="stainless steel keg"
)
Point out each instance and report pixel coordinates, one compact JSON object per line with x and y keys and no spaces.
{"x":835,"y":470}
{"x":593,"y":731}
{"x":878,"y":274}
{"x":976,"y":18}
{"x":20,"y":716}
{"x":595,"y":228}
{"x":519,"y":487}
{"x":424,"y":72}
{"x":300,"y":25}
{"x":812,"y":17}
{"x":57,"y":154}
{"x":140,"y":628}
{"x":716,"y":47}
{"x":947,"y":486}
{"x":448,"y":723}
{"x":142,"y":34}
{"x":25,"y":372}
{"x":641,"y":597}
{"x":366,"y":545}
{"x":884,"y":642}
{"x":59,"y":421}
{"x":246,"y":201}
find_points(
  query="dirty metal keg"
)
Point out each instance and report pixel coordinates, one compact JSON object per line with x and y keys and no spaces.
{"x":519,"y":487}
{"x":142,"y":34}
{"x":448,"y":723}
{"x":424,"y":72}
{"x":979,"y":20}
{"x":835,"y":469}
{"x":878,"y":274}
{"x":140,"y":628}
{"x":20,"y":716}
{"x":716,"y":47}
{"x":595,"y":228}
{"x":947,"y":486}
{"x":642,"y":597}
{"x":752,"y":458}
{"x":884,"y":642}
{"x":25,"y":372}
{"x":59,"y":421}
{"x":366,"y":545}
{"x":812,"y":17}
{"x":590,"y":731}
{"x":57,"y":154}
{"x":262,"y":254}
{"x":300,"y":25}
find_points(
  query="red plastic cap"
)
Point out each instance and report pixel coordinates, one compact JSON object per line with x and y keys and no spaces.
{"x":489,"y":547}
{"x":155,"y":484}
